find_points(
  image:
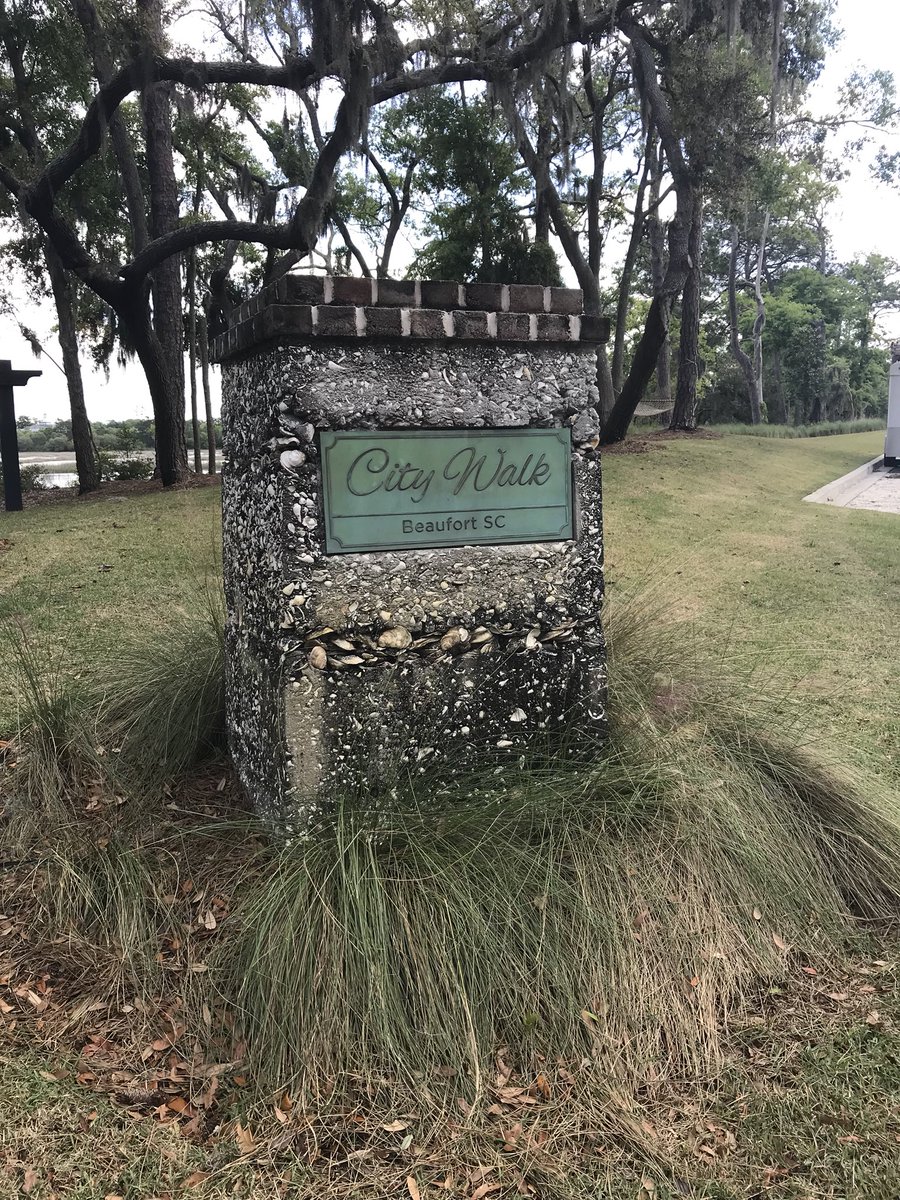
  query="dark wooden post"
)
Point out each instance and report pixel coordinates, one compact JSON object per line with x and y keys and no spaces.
{"x":9,"y":438}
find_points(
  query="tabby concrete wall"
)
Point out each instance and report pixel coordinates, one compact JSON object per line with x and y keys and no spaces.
{"x":354,"y":673}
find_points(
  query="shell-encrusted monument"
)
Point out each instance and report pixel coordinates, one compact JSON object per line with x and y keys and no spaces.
{"x":412,"y":534}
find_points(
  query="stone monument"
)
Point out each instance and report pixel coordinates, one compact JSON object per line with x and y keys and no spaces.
{"x":412,"y":534}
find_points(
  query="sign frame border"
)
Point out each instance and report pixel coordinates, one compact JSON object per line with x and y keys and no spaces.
{"x":333,"y":544}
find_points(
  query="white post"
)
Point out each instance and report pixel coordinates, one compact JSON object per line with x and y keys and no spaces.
{"x":892,"y":438}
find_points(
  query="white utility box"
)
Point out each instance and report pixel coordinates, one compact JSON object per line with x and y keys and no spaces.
{"x":892,"y":438}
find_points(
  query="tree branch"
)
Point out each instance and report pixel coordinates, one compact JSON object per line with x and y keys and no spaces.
{"x":195,"y":234}
{"x":143,"y":71}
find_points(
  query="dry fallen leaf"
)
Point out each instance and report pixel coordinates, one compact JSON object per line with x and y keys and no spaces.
{"x":511,"y":1136}
{"x":31,"y":1178}
{"x":485,"y":1190}
{"x":780,"y":942}
{"x":196,"y":1179}
{"x":838,"y":995}
{"x":395,"y":1127}
{"x":244,"y":1138}
{"x":478,"y":1174}
{"x":413,"y":1188}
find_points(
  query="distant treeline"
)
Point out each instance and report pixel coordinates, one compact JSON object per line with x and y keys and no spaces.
{"x":135,"y":434}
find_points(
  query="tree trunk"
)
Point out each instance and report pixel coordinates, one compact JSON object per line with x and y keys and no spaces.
{"x":818,"y":394}
{"x":541,"y":207}
{"x":656,"y":239}
{"x":207,"y":396}
{"x":87,"y":461}
{"x":624,"y":297}
{"x":166,"y":279}
{"x":760,"y":323}
{"x":656,"y":326}
{"x":664,"y":373}
{"x":541,"y":219}
{"x":168,"y":417}
{"x":734,"y":337}
{"x":587,"y":278}
{"x":399,"y":206}
{"x":687,"y":188}
{"x":604,"y":385}
{"x":781,"y":416}
{"x":684,"y":413}
{"x":643,"y":364}
{"x":591,"y":265}
{"x":192,"y":356}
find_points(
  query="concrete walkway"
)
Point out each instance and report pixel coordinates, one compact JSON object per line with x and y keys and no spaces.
{"x":871,"y":486}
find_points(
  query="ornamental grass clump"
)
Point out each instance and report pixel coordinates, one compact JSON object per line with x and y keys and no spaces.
{"x":48,"y":730}
{"x":612,"y":913}
{"x":163,"y":700}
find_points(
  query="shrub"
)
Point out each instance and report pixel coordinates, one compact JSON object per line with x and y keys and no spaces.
{"x":820,"y":429}
{"x":32,"y":477}
{"x":125,"y":466}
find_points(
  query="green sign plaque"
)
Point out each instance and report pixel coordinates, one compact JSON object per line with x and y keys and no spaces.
{"x":425,"y":488}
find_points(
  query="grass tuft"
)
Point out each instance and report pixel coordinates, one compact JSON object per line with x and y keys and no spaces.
{"x":104,"y":900}
{"x":163,"y":708}
{"x":51,"y":727}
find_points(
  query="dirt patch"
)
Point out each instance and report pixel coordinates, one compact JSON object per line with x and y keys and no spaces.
{"x":629,"y":446}
{"x":655,"y":439}
{"x":692,"y":435}
{"x":5,"y":544}
{"x":115,"y":490}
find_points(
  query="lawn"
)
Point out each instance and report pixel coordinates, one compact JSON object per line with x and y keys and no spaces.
{"x":720,"y":530}
{"x":79,"y":574}
{"x":805,"y":1105}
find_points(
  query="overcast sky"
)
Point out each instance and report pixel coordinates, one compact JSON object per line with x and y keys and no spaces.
{"x":865,"y":218}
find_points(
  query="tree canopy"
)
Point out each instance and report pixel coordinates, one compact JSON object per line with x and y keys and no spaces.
{"x":494,"y":139}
